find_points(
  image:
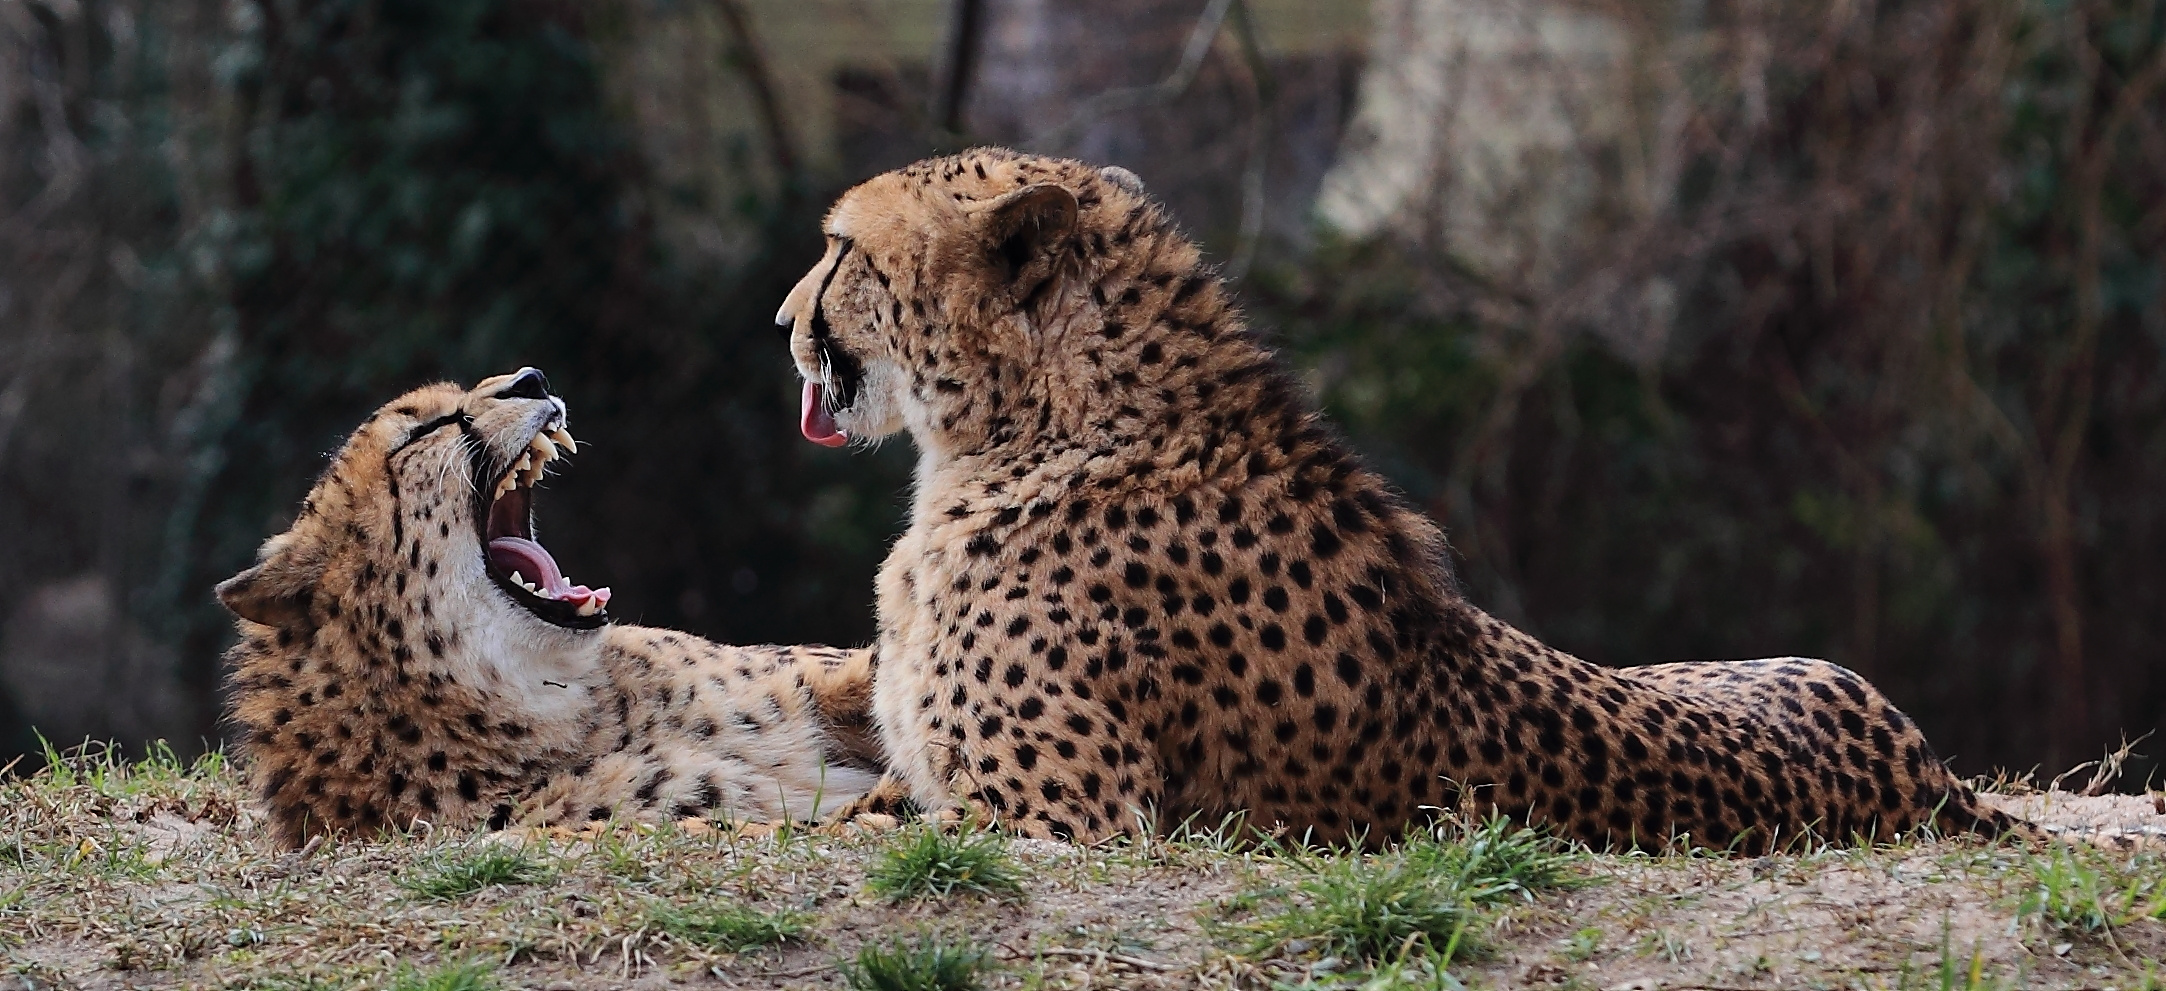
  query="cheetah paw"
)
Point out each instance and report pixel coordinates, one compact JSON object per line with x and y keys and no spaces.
{"x":875,"y":822}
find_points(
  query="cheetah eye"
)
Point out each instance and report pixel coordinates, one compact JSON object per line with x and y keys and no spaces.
{"x":423,"y":430}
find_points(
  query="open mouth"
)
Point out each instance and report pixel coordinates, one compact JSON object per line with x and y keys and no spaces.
{"x":517,"y":562}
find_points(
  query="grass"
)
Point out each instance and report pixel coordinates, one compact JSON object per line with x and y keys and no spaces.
{"x":1430,"y":893}
{"x":727,"y":928}
{"x":929,"y":963}
{"x":1955,"y":971}
{"x":1368,"y":908}
{"x":459,"y":873}
{"x":157,"y":874}
{"x":1496,"y":860}
{"x":2094,"y":891}
{"x":470,"y":975}
{"x":285,"y":983}
{"x":620,"y":856}
{"x":1410,"y":972}
{"x":928,"y":862}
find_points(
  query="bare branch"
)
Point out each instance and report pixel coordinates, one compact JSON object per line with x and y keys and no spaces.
{"x":1170,"y":88}
{"x":958,"y":64}
{"x":750,"y":59}
{"x":1262,"y":97}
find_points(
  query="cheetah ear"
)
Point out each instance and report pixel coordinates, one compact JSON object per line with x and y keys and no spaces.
{"x":1123,"y":178}
{"x":277,"y":590}
{"x":1027,"y":230}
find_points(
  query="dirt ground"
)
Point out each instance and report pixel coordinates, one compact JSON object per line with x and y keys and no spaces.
{"x":115,"y":876}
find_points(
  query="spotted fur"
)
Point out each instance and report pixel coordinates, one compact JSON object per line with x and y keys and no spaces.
{"x":1141,"y":574}
{"x":383,"y":678}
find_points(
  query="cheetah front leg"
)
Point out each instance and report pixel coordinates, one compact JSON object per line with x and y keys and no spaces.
{"x":1074,"y":771}
{"x":1043,"y":746}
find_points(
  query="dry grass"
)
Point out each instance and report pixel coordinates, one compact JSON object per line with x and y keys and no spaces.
{"x":156,"y":875}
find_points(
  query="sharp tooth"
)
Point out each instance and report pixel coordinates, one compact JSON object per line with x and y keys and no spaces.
{"x":516,"y":579}
{"x":526,"y":460}
{"x":563,"y":437}
{"x":589,"y":608}
{"x":542,"y":447}
{"x":506,"y":485}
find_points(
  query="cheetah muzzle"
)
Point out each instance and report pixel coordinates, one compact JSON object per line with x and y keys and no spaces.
{"x":410,"y":653}
{"x":1144,"y":581}
{"x":513,"y":559}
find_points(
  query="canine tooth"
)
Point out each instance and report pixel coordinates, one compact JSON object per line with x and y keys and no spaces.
{"x":589,"y":608}
{"x":541,"y":446}
{"x":563,"y":437}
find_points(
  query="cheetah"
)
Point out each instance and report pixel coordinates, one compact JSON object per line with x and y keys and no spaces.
{"x":409,"y":652}
{"x":1142,"y":580}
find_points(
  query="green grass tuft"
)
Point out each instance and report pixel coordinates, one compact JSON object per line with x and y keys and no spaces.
{"x":461,"y":873}
{"x":1955,"y":971}
{"x":929,"y":862}
{"x":1361,"y":907}
{"x":471,"y":975}
{"x":2093,"y":890}
{"x":1427,"y":894}
{"x":1495,"y":860}
{"x":929,"y":964}
{"x":290,"y":983}
{"x":1411,"y":972}
{"x":727,"y":928}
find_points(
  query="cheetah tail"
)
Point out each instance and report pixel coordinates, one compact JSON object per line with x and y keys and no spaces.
{"x":1965,"y":812}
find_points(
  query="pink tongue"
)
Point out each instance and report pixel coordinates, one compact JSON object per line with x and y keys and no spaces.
{"x":529,"y":559}
{"x":816,"y":423}
{"x":533,"y":563}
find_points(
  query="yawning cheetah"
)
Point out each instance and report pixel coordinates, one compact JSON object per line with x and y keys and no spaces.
{"x":410,"y":652}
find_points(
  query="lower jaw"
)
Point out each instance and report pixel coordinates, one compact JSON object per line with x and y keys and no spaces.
{"x":555,"y":613}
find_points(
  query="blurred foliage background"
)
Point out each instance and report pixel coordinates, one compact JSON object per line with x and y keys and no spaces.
{"x":1708,"y":328}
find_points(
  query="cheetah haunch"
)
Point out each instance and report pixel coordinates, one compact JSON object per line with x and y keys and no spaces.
{"x":1141,"y":573}
{"x":409,"y":652}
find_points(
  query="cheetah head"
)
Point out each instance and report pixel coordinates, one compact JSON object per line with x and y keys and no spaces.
{"x":940,"y":281}
{"x":429,"y":508}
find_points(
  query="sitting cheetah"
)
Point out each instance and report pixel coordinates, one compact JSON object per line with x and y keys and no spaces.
{"x":1141,"y":573}
{"x":409,"y":653}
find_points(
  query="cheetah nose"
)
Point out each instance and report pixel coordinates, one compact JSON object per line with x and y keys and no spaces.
{"x":530,"y":383}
